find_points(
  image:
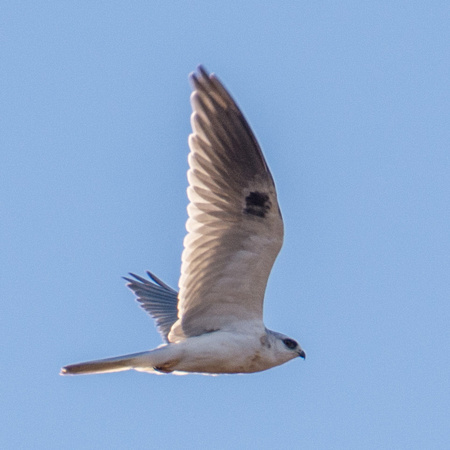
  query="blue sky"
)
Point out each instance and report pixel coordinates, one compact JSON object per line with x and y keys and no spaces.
{"x":350,"y":102}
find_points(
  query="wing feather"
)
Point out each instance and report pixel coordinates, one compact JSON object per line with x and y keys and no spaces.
{"x":158,"y":299}
{"x":235,"y":229}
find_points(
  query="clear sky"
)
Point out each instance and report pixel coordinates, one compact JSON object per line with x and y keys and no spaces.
{"x":350,"y":102}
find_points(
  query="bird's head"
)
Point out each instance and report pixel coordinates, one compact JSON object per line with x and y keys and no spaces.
{"x":286,"y":347}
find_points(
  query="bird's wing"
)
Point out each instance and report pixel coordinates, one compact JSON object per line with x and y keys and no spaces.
{"x":235,"y":229}
{"x":158,"y":299}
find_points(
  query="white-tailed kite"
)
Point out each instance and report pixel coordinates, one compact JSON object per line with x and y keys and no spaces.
{"x":214,"y":324}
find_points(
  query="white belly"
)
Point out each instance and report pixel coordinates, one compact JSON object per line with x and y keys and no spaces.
{"x":217,"y":352}
{"x":220,"y":354}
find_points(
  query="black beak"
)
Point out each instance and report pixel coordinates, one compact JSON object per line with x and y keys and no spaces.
{"x":302,"y":354}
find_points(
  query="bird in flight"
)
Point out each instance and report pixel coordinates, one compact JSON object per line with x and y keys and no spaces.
{"x":214,"y":324}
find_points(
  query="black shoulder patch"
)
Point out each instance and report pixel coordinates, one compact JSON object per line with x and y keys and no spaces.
{"x":257,"y":204}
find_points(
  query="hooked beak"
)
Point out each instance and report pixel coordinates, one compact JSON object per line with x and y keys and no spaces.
{"x":302,"y":354}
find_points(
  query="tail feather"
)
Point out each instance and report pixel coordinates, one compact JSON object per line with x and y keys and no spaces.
{"x":117,"y":364}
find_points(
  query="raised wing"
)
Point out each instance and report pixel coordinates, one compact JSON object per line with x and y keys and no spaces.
{"x":235,"y":229}
{"x":158,"y":299}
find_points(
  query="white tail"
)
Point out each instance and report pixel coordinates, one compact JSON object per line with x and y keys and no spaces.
{"x":117,"y":364}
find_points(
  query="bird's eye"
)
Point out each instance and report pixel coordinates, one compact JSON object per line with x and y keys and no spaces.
{"x":290,"y":343}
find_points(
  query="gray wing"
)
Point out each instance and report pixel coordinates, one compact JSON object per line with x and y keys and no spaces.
{"x":158,"y":299}
{"x":235,"y":229}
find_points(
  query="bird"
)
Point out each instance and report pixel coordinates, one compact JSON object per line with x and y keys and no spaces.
{"x":214,"y":324}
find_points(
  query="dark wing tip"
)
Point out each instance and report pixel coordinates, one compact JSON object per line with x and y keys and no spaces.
{"x":200,"y":76}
